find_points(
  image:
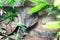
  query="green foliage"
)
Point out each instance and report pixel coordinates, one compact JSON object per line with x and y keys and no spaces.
{"x":38,"y":1}
{"x":1,"y":3}
{"x":58,"y":33}
{"x":2,"y":30}
{"x":9,"y":15}
{"x":23,"y":1}
{"x":56,"y":3}
{"x":11,"y":2}
{"x":37,"y":8}
{"x":52,"y":25}
{"x":21,"y":25}
{"x":40,"y":5}
{"x":58,"y":16}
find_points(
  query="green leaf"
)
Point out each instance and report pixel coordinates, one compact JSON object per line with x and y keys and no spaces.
{"x":58,"y":33}
{"x":1,"y":3}
{"x":56,"y":3}
{"x":58,"y":16}
{"x":23,"y":26}
{"x":52,"y":25}
{"x":2,"y":30}
{"x":11,"y":4}
{"x":23,"y":1}
{"x":37,"y":8}
{"x":39,"y":1}
{"x":7,"y":21}
{"x":58,"y":22}
{"x":9,"y":16}
{"x":18,"y":1}
{"x":9,"y":1}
